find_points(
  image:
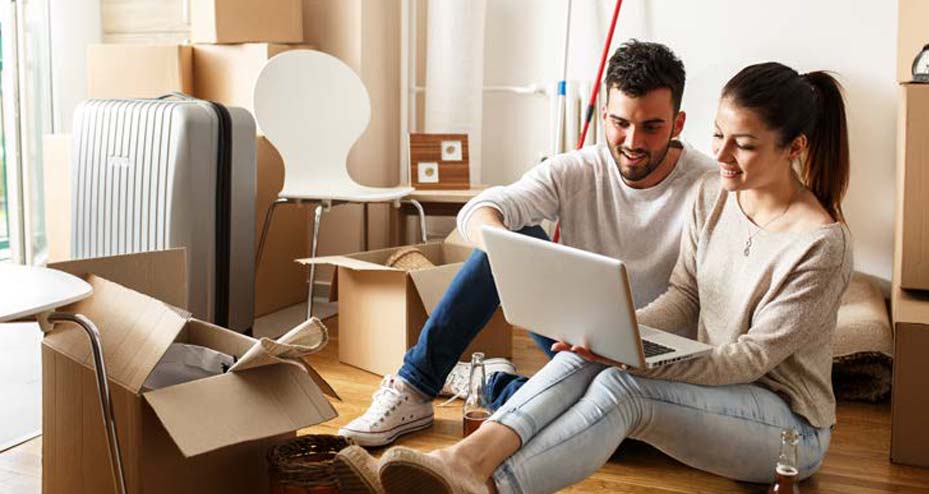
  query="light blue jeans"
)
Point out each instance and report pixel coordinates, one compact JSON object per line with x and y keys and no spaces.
{"x":573,"y":414}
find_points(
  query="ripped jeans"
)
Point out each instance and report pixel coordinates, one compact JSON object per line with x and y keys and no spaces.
{"x":573,"y":414}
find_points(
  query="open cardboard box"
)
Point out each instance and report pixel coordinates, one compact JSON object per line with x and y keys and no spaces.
{"x":208,"y":435}
{"x":382,"y":309}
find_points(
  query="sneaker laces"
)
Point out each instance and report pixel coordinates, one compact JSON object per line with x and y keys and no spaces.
{"x":384,"y":401}
{"x":459,"y":381}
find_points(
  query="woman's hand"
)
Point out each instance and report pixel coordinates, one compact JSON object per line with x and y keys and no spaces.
{"x":586,"y":354}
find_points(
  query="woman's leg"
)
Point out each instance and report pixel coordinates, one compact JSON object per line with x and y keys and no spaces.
{"x":547,"y":395}
{"x":733,"y":431}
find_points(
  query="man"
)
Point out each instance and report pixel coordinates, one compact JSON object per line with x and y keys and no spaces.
{"x":625,"y":199}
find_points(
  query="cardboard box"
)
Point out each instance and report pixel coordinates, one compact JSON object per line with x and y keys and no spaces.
{"x":244,"y":21}
{"x":912,"y":35}
{"x":138,"y":70}
{"x":382,"y":309}
{"x":279,"y":282}
{"x":909,"y":442}
{"x":56,"y":186}
{"x":227,"y":73}
{"x":912,"y":184}
{"x":209,"y":435}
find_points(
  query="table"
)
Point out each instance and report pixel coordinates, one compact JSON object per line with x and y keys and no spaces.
{"x":434,"y":203}
{"x":35,"y":291}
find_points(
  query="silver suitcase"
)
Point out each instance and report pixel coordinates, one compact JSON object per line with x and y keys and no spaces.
{"x":152,"y":174}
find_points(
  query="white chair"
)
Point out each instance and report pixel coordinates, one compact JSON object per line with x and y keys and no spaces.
{"x":313,"y":108}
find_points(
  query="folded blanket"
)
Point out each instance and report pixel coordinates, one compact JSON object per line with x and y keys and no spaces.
{"x":863,"y":344}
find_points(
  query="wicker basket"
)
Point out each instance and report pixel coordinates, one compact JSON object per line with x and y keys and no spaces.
{"x":304,"y":465}
{"x":409,"y":259}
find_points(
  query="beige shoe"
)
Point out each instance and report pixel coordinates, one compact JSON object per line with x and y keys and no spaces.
{"x":406,"y":471}
{"x":357,"y":471}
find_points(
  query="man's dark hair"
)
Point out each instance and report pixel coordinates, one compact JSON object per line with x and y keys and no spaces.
{"x":638,"y":67}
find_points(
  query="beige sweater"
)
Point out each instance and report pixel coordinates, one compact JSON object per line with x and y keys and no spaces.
{"x":770,"y":315}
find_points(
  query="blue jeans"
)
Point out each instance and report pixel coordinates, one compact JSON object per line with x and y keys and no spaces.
{"x":573,"y":414}
{"x":463,"y":311}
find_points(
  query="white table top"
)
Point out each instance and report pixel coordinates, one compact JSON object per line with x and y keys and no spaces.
{"x":29,"y":290}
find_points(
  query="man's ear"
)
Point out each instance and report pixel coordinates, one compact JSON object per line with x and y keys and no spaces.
{"x":679,"y":123}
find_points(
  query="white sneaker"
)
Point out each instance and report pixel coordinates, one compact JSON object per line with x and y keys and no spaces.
{"x":456,"y":384}
{"x":396,"y":409}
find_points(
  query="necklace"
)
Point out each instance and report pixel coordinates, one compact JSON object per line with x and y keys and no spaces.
{"x":748,"y":242}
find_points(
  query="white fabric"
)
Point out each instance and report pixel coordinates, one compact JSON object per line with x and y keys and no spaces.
{"x":455,"y":73}
{"x":600,"y":213}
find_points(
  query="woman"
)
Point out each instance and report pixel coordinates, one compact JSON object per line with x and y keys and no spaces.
{"x":764,"y":260}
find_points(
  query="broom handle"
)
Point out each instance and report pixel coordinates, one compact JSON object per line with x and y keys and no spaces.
{"x":593,"y":94}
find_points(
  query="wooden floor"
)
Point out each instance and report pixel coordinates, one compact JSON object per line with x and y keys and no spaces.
{"x":857,"y":461}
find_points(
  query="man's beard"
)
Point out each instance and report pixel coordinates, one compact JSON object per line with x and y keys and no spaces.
{"x":640,"y":172}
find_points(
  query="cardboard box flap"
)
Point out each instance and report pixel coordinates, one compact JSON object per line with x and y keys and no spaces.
{"x":347,"y":262}
{"x":135,"y":331}
{"x":432,"y":283}
{"x":160,"y":274}
{"x":212,"y":413}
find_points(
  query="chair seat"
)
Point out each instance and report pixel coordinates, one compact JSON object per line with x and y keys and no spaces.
{"x":349,"y":192}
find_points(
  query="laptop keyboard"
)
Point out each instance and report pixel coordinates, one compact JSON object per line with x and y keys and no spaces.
{"x":652,"y":349}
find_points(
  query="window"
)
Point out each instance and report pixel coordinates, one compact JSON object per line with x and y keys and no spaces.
{"x":25,"y":117}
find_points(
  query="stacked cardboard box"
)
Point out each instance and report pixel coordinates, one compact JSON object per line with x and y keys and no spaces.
{"x":232,"y":41}
{"x":910,"y":291}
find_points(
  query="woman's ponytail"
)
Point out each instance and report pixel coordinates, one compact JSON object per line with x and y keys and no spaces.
{"x":826,"y":169}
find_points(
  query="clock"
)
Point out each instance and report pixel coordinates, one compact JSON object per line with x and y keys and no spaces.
{"x":921,"y":66}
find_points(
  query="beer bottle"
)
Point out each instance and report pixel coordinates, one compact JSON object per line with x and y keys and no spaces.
{"x":786,"y":472}
{"x":475,"y":410}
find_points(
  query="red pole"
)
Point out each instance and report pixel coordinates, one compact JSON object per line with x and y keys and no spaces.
{"x":591,"y":108}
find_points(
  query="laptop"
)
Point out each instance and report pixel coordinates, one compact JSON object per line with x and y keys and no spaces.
{"x":578,"y":297}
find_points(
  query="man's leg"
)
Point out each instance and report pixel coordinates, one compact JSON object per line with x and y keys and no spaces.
{"x":466,"y":307}
{"x":404,"y":405}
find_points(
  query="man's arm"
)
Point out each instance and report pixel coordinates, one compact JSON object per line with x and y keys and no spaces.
{"x":482,"y":216}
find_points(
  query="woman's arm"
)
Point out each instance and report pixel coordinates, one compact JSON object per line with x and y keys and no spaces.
{"x":800,"y":313}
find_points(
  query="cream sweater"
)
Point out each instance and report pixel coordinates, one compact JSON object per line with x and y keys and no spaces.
{"x":770,"y":315}
{"x":600,"y":213}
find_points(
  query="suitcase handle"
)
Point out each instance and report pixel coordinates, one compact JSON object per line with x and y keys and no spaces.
{"x":175,"y":95}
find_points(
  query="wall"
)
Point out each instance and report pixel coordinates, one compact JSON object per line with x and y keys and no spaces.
{"x":714,"y":38}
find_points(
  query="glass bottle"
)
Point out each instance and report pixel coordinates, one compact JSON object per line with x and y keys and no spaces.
{"x":786,"y":472}
{"x":475,"y":410}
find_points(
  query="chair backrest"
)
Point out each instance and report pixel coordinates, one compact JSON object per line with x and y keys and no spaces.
{"x":313,"y":108}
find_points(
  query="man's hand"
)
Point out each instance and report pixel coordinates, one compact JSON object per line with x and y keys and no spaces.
{"x":586,"y":354}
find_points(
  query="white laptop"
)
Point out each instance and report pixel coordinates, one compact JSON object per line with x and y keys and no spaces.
{"x":578,"y":297}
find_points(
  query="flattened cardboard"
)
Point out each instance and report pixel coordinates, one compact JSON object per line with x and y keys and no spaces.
{"x":277,"y":283}
{"x":208,"y":414}
{"x":227,"y":73}
{"x":161,"y":274}
{"x":135,"y":331}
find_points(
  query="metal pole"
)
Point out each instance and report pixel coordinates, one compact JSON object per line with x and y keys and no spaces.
{"x":103,"y":389}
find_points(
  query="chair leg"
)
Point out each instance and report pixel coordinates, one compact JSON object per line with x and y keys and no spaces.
{"x":103,"y":390}
{"x":312,"y":281}
{"x":265,"y":227}
{"x":364,"y":225}
{"x":422,"y":217}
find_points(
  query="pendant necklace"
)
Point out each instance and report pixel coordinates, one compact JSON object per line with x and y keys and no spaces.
{"x":748,"y":242}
